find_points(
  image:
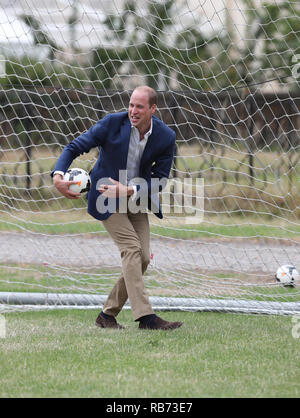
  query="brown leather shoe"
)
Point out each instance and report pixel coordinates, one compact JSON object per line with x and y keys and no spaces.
{"x":107,"y":323}
{"x":159,"y":323}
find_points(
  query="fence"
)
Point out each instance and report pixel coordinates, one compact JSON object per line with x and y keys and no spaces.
{"x":215,"y":124}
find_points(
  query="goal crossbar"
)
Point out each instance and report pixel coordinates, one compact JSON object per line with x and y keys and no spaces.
{"x":68,"y":300}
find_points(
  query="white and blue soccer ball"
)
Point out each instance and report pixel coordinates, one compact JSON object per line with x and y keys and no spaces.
{"x":287,"y":275}
{"x":81,"y":177}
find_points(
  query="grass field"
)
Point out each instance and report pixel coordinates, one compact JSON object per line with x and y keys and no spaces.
{"x":272,"y":188}
{"x":62,"y":354}
{"x":79,"y":222}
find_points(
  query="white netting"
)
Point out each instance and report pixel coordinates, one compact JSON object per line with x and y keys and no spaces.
{"x":227,"y":76}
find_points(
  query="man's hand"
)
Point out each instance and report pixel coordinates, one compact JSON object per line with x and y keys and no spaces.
{"x":63,"y":187}
{"x":117,"y":189}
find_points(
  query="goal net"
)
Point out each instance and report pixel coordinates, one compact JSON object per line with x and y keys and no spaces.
{"x":226,"y":72}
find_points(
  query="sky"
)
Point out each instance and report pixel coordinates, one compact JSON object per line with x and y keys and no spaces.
{"x":89,"y":30}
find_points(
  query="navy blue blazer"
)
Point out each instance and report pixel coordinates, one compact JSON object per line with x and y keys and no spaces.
{"x":111,"y":134}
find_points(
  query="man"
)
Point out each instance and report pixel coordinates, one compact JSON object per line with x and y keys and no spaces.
{"x":142,"y":146}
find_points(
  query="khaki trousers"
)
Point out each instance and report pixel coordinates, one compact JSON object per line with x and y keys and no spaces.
{"x":131,"y":234}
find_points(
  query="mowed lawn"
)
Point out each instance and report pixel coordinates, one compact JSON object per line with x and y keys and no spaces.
{"x":63,"y":354}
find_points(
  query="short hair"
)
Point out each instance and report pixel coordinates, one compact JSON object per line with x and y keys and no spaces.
{"x":152,"y":95}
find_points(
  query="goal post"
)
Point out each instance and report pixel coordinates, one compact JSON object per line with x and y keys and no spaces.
{"x":227,"y":76}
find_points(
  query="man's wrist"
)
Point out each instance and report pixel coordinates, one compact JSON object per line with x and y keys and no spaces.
{"x":130,"y":190}
{"x":57,"y":176}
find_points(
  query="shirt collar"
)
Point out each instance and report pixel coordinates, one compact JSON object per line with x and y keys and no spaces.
{"x":147,"y":134}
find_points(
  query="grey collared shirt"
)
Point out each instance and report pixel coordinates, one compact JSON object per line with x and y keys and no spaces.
{"x":135,"y":152}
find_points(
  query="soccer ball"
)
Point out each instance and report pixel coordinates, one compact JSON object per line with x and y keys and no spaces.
{"x":81,"y":177}
{"x":287,"y":275}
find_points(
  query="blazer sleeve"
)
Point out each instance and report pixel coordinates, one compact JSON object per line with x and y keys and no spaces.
{"x":163,"y":163}
{"x":92,"y":138}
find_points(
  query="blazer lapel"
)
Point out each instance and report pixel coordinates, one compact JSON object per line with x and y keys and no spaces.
{"x":125,"y":138}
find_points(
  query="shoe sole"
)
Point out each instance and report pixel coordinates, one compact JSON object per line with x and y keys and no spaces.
{"x":115,"y":327}
{"x":170,"y":328}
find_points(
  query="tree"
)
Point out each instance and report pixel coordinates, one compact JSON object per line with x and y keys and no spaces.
{"x":40,"y":37}
{"x":271,"y":41}
{"x":146,"y":41}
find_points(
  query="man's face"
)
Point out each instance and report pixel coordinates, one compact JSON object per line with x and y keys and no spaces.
{"x":139,"y":111}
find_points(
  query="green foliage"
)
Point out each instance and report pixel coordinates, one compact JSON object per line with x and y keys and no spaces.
{"x":281,"y":23}
{"x":146,"y":42}
{"x":106,"y":64}
{"x":197,"y":61}
{"x":145,"y":45}
{"x":40,"y":37}
{"x":29,"y":72}
{"x":275,"y":29}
